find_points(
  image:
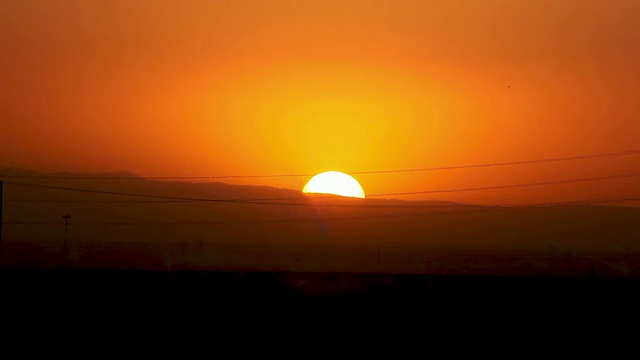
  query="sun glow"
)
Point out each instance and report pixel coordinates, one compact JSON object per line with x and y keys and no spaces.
{"x":334,"y":182}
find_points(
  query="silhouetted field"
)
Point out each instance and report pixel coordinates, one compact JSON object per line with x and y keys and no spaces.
{"x":257,"y":286}
{"x":238,"y":272}
{"x":212,"y":256}
{"x":216,"y":307}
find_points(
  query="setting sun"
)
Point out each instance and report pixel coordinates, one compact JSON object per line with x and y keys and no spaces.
{"x":334,"y":182}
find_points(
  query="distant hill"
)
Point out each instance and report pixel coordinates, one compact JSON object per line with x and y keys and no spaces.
{"x":17,"y":171}
{"x":125,"y":181}
{"x":138,"y":222}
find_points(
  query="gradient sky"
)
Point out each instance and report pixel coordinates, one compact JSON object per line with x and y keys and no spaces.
{"x":171,"y":88}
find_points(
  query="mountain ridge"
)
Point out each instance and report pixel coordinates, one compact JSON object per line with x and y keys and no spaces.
{"x":197,"y":187}
{"x":111,"y":226}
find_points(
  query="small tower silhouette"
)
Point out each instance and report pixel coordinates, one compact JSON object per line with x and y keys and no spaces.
{"x":592,"y":271}
{"x":65,"y":248}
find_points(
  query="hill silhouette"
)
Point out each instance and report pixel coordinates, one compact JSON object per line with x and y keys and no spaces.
{"x":239,"y":227}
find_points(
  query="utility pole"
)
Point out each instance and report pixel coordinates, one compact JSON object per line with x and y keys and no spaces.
{"x":1,"y":204}
{"x":65,"y":248}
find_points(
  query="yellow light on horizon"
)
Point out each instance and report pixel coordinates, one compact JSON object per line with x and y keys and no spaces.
{"x":336,"y":183}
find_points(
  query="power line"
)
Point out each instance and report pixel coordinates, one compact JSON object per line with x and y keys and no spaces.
{"x":492,"y":208}
{"x":364,"y":217}
{"x":455,"y":167}
{"x":270,"y":201}
{"x":207,"y":200}
{"x":230,"y":201}
{"x":104,"y":192}
{"x":41,"y":201}
{"x":522,"y":162}
{"x":557,"y":182}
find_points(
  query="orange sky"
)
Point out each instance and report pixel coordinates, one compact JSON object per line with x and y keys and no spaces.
{"x":163,"y":87}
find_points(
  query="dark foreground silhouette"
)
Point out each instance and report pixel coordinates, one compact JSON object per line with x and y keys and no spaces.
{"x":95,"y":290}
{"x":164,"y":273}
{"x":242,"y":306}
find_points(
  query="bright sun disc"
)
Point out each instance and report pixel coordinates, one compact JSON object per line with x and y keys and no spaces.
{"x":334,"y":182}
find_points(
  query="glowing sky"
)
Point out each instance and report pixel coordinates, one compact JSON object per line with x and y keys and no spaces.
{"x":163,"y":87}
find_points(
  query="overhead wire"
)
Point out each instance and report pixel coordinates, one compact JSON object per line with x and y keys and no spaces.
{"x":270,"y":201}
{"x":459,"y":208}
{"x":454,"y":167}
{"x":501,"y":207}
{"x":266,"y":201}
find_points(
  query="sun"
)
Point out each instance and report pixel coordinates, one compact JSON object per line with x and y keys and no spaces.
{"x":334,"y":182}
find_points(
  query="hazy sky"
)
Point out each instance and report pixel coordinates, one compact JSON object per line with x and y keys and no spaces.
{"x":266,"y":87}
